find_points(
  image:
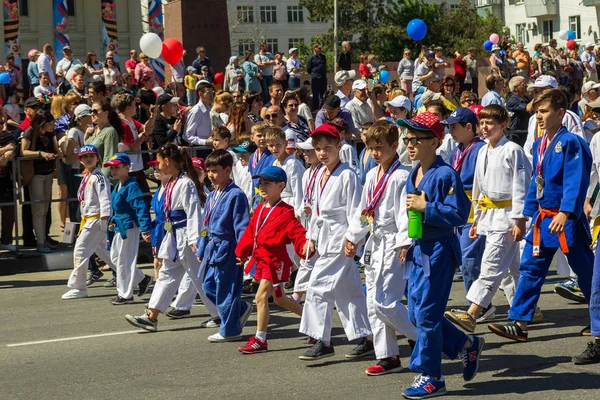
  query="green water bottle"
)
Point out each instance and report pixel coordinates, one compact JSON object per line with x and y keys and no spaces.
{"x":415,"y":221}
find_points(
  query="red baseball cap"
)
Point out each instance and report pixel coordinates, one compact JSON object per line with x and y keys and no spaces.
{"x":328,"y":129}
{"x":199,"y":163}
{"x":476,"y":109}
{"x":152,"y":163}
{"x":424,"y":122}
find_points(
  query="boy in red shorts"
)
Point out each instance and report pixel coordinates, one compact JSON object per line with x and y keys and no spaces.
{"x":272,"y":226}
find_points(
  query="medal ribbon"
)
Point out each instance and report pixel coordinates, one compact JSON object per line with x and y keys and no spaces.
{"x":375,"y":192}
{"x":260,"y":223}
{"x":460,"y":156}
{"x":542,"y":147}
{"x":310,"y":188}
{"x":324,"y":184}
{"x":213,"y":201}
{"x":256,"y":159}
{"x":168,"y":192}
{"x":81,"y":191}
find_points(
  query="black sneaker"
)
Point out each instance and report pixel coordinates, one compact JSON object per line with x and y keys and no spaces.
{"x":178,"y":314}
{"x":112,"y":283}
{"x":292,"y":282}
{"x":143,"y":285}
{"x":214,"y":322}
{"x":249,"y":289}
{"x":385,"y":366}
{"x":318,"y":351}
{"x":587,"y":331}
{"x":364,"y":349}
{"x":591,"y":355}
{"x":94,"y":278}
{"x":119,"y":301}
{"x":51,"y":241}
{"x":412,"y":345}
{"x":510,"y":330}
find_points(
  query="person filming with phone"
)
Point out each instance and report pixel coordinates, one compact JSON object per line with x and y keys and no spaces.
{"x":168,"y":123}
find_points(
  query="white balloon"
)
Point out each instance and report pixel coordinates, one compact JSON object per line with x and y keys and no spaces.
{"x":158,"y":91}
{"x":563,"y":35}
{"x":151,"y":45}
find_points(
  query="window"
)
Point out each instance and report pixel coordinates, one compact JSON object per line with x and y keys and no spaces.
{"x":24,"y":8}
{"x":295,"y":14}
{"x":71,"y":8}
{"x":245,"y":14}
{"x":295,"y":42}
{"x":272,"y":46}
{"x":453,"y":6}
{"x":268,"y":14}
{"x":521,"y":30}
{"x":575,"y":26}
{"x":245,"y":45}
{"x":547,"y":29}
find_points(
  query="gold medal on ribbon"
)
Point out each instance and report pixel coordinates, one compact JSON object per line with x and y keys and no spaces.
{"x":307,"y":210}
{"x":363,"y":219}
{"x":204,"y":233}
{"x":370,"y":219}
{"x":168,"y":226}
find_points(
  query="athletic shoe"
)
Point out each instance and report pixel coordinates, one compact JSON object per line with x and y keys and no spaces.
{"x":364,"y":349}
{"x":591,"y":355}
{"x":388,"y":365}
{"x":311,"y":340}
{"x":143,"y":285}
{"x":537,"y":316}
{"x":249,"y":288}
{"x":216,"y":338}
{"x":244,"y":317}
{"x":570,"y":290}
{"x":111,"y":283}
{"x":254,"y":345}
{"x":510,"y":330}
{"x":143,"y":322}
{"x":318,"y":351}
{"x":462,"y":319}
{"x":424,"y":387}
{"x":43,"y":249}
{"x":213,"y":322}
{"x":119,"y":301}
{"x":8,"y":247}
{"x":587,"y":331}
{"x":178,"y":314}
{"x":94,"y":278}
{"x":292,"y":281}
{"x":51,"y":241}
{"x":74,"y":294}
{"x":470,"y":358}
{"x":488,"y":314}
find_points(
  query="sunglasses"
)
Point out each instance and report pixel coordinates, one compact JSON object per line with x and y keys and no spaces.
{"x":414,"y":141}
{"x":470,"y":100}
{"x":271,"y":116}
{"x":145,"y":58}
{"x":94,"y":112}
{"x":293,"y":105}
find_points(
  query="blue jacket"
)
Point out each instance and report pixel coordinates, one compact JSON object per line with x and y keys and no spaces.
{"x":467,"y":171}
{"x":252,"y":82}
{"x":129,"y":208}
{"x":316,"y":66}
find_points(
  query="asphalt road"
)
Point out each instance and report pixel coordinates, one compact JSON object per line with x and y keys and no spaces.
{"x":46,"y":352}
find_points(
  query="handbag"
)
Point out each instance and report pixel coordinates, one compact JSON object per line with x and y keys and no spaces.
{"x":468,"y":77}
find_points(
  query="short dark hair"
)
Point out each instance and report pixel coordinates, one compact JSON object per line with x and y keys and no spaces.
{"x":491,"y":80}
{"x":202,"y":86}
{"x":381,"y":131}
{"x":322,"y":136}
{"x":99,"y":87}
{"x":495,"y":112}
{"x":219,"y":157}
{"x":221,"y":132}
{"x":556,"y":97}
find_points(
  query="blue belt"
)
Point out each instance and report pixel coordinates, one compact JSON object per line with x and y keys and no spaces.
{"x":158,"y":232}
{"x":178,"y":219}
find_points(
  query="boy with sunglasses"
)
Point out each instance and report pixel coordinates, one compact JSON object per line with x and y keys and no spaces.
{"x":436,"y":191}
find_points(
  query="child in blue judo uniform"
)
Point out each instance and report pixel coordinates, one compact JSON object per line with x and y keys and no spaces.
{"x":435,"y":190}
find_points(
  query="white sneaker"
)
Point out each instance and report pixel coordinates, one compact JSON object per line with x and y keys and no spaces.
{"x":74,"y":294}
{"x":244,"y":317}
{"x":8,"y":247}
{"x":488,"y":315}
{"x":216,"y":338}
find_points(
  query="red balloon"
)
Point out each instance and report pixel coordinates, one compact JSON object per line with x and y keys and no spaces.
{"x":219,"y":78}
{"x":570,"y":44}
{"x":172,"y":51}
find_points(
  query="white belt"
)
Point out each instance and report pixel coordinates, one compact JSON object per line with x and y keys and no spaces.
{"x":323,"y":223}
{"x":379,"y":231}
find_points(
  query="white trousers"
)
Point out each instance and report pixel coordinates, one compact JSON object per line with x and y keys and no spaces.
{"x":304,"y":271}
{"x":169,"y":277}
{"x":123,"y":254}
{"x":186,"y":294}
{"x":387,"y":315}
{"x":92,"y":240}
{"x":499,"y":267}
{"x":562,"y":265}
{"x":335,"y":281}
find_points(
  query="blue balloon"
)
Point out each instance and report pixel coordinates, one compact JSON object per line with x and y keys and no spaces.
{"x":416,"y":29}
{"x":571,"y":35}
{"x":4,"y":78}
{"x":488,"y":45}
{"x":502,"y":53}
{"x":384,"y":76}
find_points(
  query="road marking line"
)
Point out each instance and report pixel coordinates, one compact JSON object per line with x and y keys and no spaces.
{"x":72,"y":338}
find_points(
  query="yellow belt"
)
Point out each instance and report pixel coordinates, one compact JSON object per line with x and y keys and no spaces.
{"x":486,"y":203}
{"x":471,"y":218}
{"x":85,"y":219}
{"x":595,"y":230}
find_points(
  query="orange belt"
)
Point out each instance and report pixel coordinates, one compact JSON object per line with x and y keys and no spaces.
{"x":562,"y":238}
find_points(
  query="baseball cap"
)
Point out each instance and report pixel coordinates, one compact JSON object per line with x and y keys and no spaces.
{"x":589,"y":85}
{"x":495,"y":47}
{"x":359,"y":85}
{"x":82,"y":110}
{"x":166,"y":98}
{"x":339,"y":123}
{"x":429,"y":54}
{"x":293,"y":49}
{"x":272,"y":174}
{"x":119,"y":158}
{"x":328,"y":129}
{"x":425,"y":122}
{"x":399,"y":101}
{"x":32,"y":102}
{"x":67,"y":48}
{"x":430,"y":96}
{"x":332,"y":102}
{"x":246,"y":146}
{"x":152,"y":163}
{"x":88,"y":149}
{"x":589,"y":44}
{"x":199,"y":163}
{"x":306,"y":145}
{"x":343,"y":76}
{"x":476,"y":108}
{"x":462,"y":115}
{"x":543,"y":81}
{"x":190,"y":68}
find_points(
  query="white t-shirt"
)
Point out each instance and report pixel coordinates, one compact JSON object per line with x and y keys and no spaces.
{"x":291,"y":64}
{"x":78,"y":137}
{"x":304,"y":110}
{"x":43,"y":91}
{"x":111,"y":75}
{"x":590,"y":58}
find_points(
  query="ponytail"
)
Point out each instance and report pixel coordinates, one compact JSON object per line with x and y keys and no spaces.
{"x":184,"y":161}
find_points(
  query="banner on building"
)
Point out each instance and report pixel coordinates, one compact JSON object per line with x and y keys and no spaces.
{"x":11,"y":33}
{"x":155,"y":22}
{"x":60,"y":14}
{"x":110,"y":36}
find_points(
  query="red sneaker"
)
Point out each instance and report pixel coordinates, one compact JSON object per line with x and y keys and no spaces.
{"x":254,"y":345}
{"x":386,"y":366}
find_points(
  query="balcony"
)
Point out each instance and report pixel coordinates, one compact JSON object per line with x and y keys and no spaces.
{"x":485,"y":3}
{"x":540,"y":8}
{"x":591,"y":3}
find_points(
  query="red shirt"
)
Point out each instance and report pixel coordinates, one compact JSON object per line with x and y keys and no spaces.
{"x":130,"y":64}
{"x":460,"y":68}
{"x":25,"y":124}
{"x":364,"y":70}
{"x":128,"y":136}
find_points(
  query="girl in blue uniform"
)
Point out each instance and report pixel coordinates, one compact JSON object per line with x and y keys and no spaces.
{"x":158,"y":204}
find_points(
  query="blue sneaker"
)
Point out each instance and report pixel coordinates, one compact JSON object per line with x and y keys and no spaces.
{"x":424,"y":387}
{"x":470,"y":358}
{"x":570,"y":290}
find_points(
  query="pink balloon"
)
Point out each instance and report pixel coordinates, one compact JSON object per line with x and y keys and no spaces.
{"x":494,"y":38}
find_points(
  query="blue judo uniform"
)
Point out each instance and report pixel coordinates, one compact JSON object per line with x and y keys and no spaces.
{"x":265,"y":161}
{"x":431,"y":262}
{"x":158,"y":224}
{"x":223,"y":277}
{"x":472,"y":249}
{"x":566,"y":172}
{"x":365,"y":167}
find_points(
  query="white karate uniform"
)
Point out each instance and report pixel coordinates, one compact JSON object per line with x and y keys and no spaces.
{"x":243,"y":179}
{"x":335,"y":280}
{"x":96,"y":201}
{"x":306,"y":266}
{"x":184,"y":197}
{"x":292,"y":193}
{"x":573,"y":123}
{"x":595,"y":150}
{"x":349,"y":156}
{"x":445,"y":150}
{"x":501,"y":173}
{"x":384,"y":272}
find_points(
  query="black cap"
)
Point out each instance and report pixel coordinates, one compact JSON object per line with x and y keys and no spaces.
{"x":246,"y":146}
{"x":332,"y":102}
{"x":166,"y":98}
{"x":32,"y":102}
